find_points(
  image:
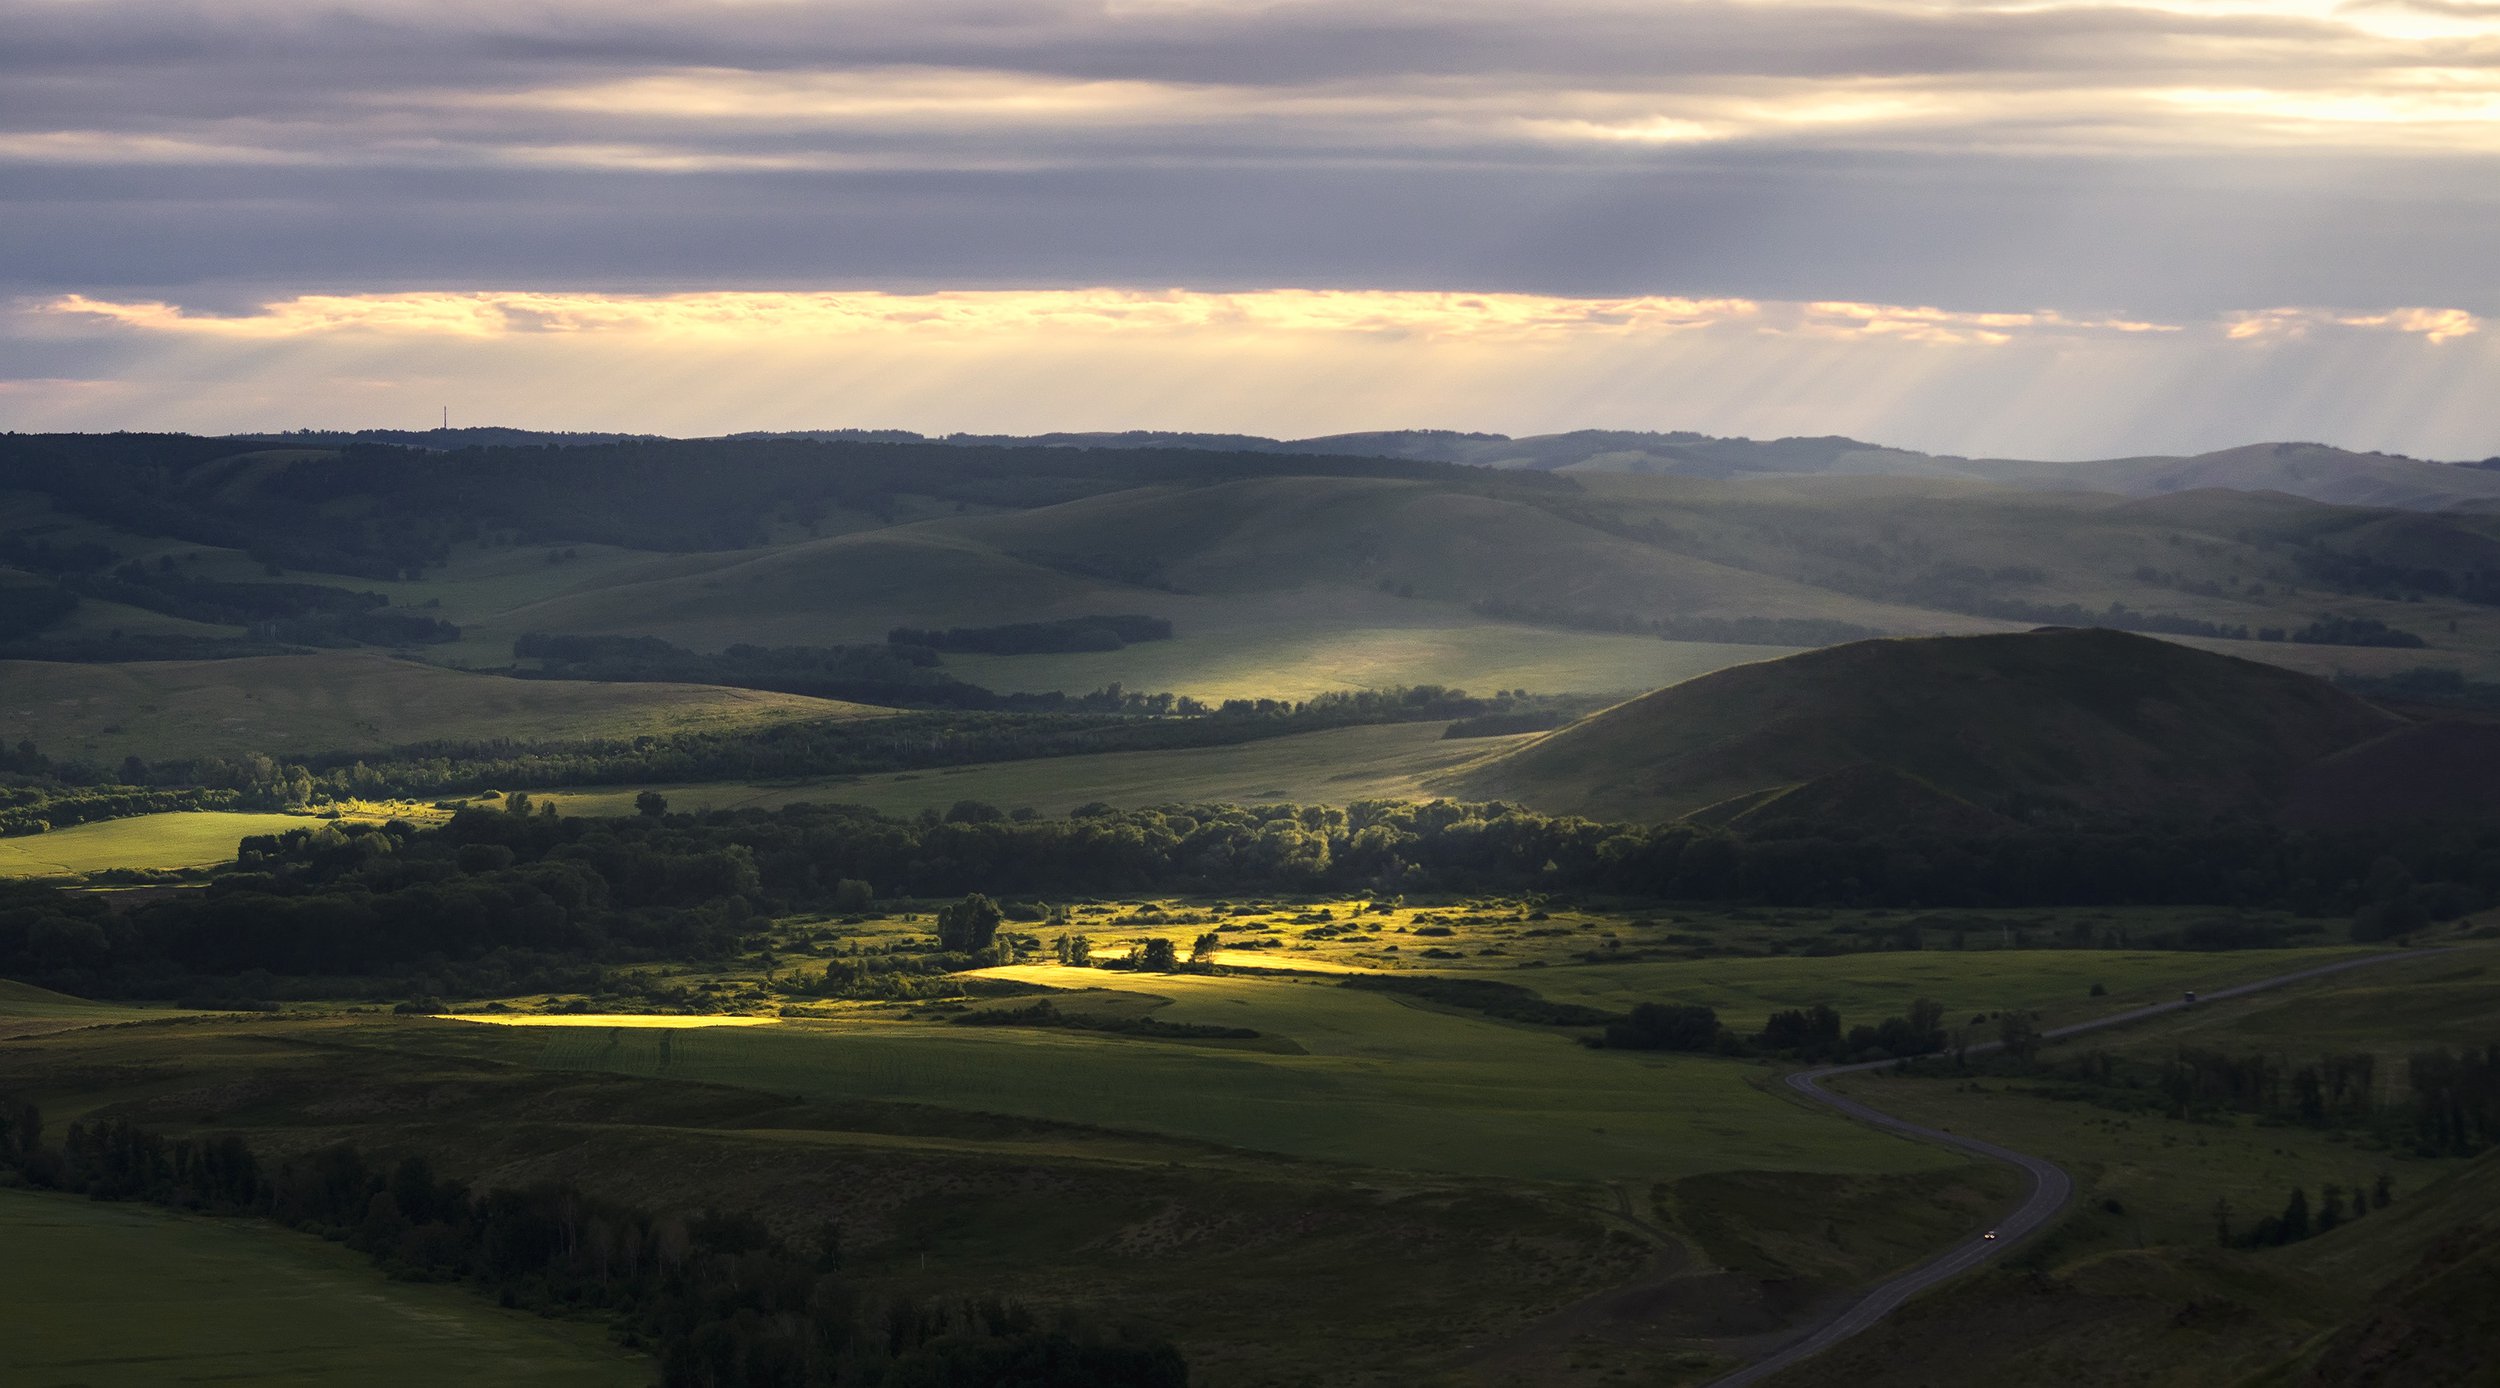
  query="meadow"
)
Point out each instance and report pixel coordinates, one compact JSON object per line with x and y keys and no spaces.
{"x":346,"y":701}
{"x":112,"y":1295}
{"x":1270,"y":654}
{"x":2167,"y":1173}
{"x":1384,"y":761}
{"x":155,"y":842}
{"x":1376,"y":1082}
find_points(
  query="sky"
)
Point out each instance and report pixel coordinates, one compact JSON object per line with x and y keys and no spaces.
{"x":2027,"y":228}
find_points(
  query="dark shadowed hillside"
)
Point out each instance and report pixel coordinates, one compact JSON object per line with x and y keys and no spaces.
{"x":2040,"y":724}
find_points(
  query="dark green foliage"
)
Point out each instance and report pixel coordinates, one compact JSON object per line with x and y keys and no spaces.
{"x":2354,"y":631}
{"x":1659,"y":1026}
{"x":2425,"y":684}
{"x":969,"y":926}
{"x":1043,"y":1014}
{"x":1811,"y":1033}
{"x":1505,"y":724}
{"x":1507,"y":1001}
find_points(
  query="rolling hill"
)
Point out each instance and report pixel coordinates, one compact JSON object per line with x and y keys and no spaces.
{"x":346,"y":701}
{"x":2056,"y":723}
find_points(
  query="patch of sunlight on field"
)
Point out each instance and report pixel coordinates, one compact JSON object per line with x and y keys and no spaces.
{"x":124,"y":1296}
{"x":1380,"y":1083}
{"x":602,"y":1019}
{"x":161,"y":842}
{"x":1299,"y":661}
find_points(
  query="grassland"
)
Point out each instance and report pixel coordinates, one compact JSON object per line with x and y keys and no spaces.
{"x":112,"y":1295}
{"x":31,"y":1011}
{"x":1865,"y":987}
{"x":1286,"y":654}
{"x":1377,"y":1083}
{"x":346,"y":701}
{"x":1399,"y":760}
{"x":177,"y":839}
{"x":154,"y":842}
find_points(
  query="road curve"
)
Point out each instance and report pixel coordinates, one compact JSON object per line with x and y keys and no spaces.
{"x":2048,"y":1187}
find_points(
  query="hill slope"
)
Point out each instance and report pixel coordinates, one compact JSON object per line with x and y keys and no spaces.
{"x":343,"y":701}
{"x":2062,"y":721}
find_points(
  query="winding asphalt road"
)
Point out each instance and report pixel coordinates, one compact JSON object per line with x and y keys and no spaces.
{"x":2049,"y":1185}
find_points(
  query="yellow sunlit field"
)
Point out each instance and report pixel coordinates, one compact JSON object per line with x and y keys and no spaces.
{"x":175,"y":840}
{"x":659,"y":1021}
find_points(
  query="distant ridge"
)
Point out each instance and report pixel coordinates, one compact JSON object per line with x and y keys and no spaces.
{"x":1963,"y":732}
{"x":2316,"y":471}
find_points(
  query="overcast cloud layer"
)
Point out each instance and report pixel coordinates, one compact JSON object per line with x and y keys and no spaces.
{"x":2277,"y":195}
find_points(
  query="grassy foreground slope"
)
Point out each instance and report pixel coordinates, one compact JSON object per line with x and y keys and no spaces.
{"x":2132,"y":1287}
{"x":346,"y":701}
{"x":1367,"y":1080}
{"x":112,"y":1295}
{"x":2100,"y":721}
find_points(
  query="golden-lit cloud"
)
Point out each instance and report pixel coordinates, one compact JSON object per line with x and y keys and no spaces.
{"x":1283,"y":362}
{"x":963,"y":315}
{"x":2432,"y":324}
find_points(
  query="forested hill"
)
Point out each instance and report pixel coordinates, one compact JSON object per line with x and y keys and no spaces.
{"x":2050,"y":724}
{"x":382,"y":512}
{"x":2319,"y":472}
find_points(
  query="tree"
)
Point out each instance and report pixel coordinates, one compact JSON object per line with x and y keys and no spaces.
{"x":2019,"y":1031}
{"x":651,"y":804}
{"x":2296,"y":1216}
{"x":1080,"y":951}
{"x":969,"y":926}
{"x":2330,"y":1207}
{"x":1204,"y":947}
{"x":852,"y":896}
{"x":1659,"y":1026}
{"x":1158,"y":956}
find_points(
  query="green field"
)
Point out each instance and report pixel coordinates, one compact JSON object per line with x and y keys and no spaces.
{"x":26,"y":1010}
{"x":1392,"y":761}
{"x":160,"y":842}
{"x":1867,"y":987}
{"x":1379,"y":1083}
{"x":345,"y":701}
{"x":111,"y":1295}
{"x":1296,"y":660}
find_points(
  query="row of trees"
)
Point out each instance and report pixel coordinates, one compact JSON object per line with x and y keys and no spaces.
{"x":717,"y":1299}
{"x":2442,"y":1102}
{"x":347,"y":898}
{"x":2336,"y":1205}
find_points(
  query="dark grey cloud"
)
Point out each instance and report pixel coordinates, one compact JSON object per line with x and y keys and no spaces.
{"x":204,"y":150}
{"x":1964,"y":233}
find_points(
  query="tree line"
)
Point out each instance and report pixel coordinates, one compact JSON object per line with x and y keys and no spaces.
{"x":362,"y":899}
